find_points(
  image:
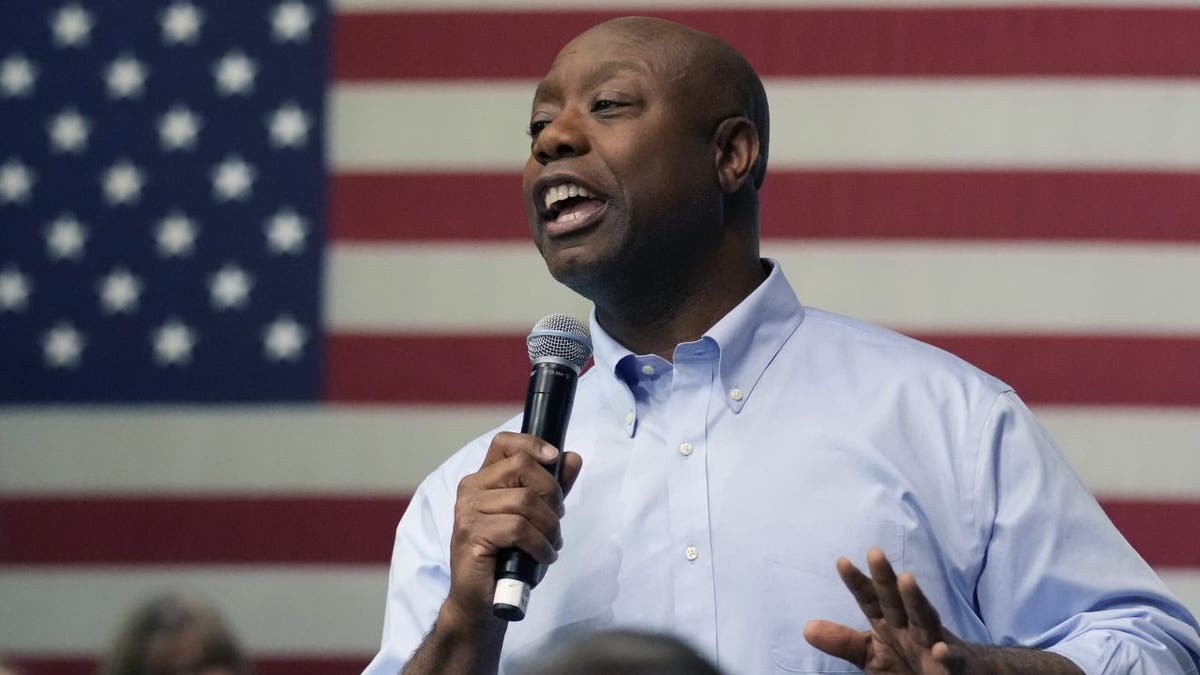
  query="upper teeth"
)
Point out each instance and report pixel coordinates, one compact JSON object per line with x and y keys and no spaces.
{"x":557,"y":193}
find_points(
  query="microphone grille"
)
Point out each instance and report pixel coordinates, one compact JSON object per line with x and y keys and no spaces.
{"x":562,"y":337}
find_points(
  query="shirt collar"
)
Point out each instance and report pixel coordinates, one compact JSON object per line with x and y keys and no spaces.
{"x":752,"y":334}
{"x":747,"y":339}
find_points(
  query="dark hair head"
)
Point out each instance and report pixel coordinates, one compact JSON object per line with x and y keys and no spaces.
{"x":620,"y":651}
{"x":173,"y":634}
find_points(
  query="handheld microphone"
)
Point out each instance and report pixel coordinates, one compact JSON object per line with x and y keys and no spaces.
{"x":559,"y":347}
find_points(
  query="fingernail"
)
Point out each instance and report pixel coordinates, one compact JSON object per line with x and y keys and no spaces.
{"x":548,"y":452}
{"x":562,"y":509}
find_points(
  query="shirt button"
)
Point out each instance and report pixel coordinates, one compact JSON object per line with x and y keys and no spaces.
{"x":736,"y":394}
{"x":685,"y":449}
{"x":629,"y":418}
{"x":691,"y":553}
{"x":648,"y":369}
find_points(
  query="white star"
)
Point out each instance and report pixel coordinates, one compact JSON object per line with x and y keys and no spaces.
{"x":235,"y":74}
{"x":119,"y":291}
{"x":181,"y":23}
{"x":230,"y":287}
{"x":173,"y":342}
{"x":175,"y":235}
{"x":71,"y":25}
{"x":16,"y":181}
{"x":17,"y":74}
{"x":68,"y":131}
{"x":123,"y":183}
{"x":65,"y":237}
{"x":286,"y":231}
{"x":62,"y":346}
{"x":290,"y":21}
{"x":125,"y":77}
{"x":177,"y":128}
{"x":14,"y":290}
{"x":283,"y":339}
{"x":289,"y":126}
{"x":232,"y":179}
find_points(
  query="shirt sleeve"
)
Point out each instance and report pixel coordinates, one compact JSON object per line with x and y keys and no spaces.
{"x":418,"y":580}
{"x":1057,"y":574}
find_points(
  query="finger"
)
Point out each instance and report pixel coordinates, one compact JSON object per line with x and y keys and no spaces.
{"x":507,"y":443}
{"x":838,"y":640}
{"x":861,"y":588}
{"x":925,"y":626}
{"x":518,"y":470}
{"x":521,"y":502}
{"x":514,"y":531}
{"x":884,"y":578}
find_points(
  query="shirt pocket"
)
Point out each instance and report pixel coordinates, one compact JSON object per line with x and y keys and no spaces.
{"x":802,"y":584}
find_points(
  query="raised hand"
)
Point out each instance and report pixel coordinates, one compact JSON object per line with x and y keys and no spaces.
{"x":907,"y":636}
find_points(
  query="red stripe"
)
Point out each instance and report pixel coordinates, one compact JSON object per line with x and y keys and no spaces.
{"x":1062,"y":369}
{"x":430,"y":369}
{"x":948,"y":205}
{"x":1087,"y":370}
{"x":1160,"y":42}
{"x":263,"y":665}
{"x":100,"y":529}
{"x":314,"y":530}
{"x":1167,"y":534}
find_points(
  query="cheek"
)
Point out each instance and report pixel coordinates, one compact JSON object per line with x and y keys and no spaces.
{"x":529,"y":175}
{"x":527,"y":179}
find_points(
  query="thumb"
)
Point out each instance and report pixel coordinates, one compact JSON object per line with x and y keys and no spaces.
{"x":569,"y":469}
{"x":838,"y":640}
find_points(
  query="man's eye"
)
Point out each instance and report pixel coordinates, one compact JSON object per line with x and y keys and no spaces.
{"x":606,"y":104}
{"x":535,"y":128}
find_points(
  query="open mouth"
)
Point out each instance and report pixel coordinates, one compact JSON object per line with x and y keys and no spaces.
{"x":569,"y":207}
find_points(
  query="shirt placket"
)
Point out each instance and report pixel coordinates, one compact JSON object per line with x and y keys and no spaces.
{"x":687,"y":476}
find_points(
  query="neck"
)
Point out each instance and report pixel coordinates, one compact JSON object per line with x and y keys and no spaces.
{"x":654,"y":319}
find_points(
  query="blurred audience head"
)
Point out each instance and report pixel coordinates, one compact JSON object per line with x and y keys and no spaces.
{"x":619,"y":651}
{"x":175,"y":634}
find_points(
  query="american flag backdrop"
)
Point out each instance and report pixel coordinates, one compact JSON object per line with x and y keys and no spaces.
{"x":263,"y":265}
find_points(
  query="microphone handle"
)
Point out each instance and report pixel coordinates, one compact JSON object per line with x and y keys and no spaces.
{"x":547,"y":411}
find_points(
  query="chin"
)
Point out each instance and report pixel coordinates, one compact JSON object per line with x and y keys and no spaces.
{"x":575,"y":271}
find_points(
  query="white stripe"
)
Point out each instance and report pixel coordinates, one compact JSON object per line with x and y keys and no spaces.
{"x":1184,"y":583}
{"x":252,"y":449}
{"x":499,"y":287}
{"x":913,"y":286}
{"x":279,"y":611}
{"x":945,"y":123}
{"x":1120,"y":452}
{"x":467,"y":5}
{"x":1130,"y":453}
{"x":322,"y":611}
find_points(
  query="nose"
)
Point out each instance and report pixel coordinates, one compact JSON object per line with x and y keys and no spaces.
{"x":563,"y":137}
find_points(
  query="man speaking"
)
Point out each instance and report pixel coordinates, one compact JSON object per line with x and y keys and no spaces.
{"x":731,"y":445}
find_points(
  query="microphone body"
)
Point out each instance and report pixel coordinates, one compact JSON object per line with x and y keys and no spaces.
{"x":558,"y":354}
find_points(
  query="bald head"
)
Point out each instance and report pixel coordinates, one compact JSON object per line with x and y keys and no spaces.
{"x":711,"y":79}
{"x":646,"y":137}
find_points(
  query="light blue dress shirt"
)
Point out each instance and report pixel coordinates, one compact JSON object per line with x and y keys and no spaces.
{"x":718,"y":490}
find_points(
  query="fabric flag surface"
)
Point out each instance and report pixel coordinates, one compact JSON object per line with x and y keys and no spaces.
{"x":264,"y":265}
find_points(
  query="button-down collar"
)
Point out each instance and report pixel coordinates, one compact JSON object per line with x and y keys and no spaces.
{"x":745,"y":340}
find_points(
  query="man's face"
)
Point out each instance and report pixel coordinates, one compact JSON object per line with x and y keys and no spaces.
{"x":619,"y":171}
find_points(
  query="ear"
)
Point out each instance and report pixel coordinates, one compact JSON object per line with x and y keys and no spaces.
{"x":736,"y":141}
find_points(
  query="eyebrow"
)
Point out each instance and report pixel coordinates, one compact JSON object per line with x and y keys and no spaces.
{"x":595,"y":75}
